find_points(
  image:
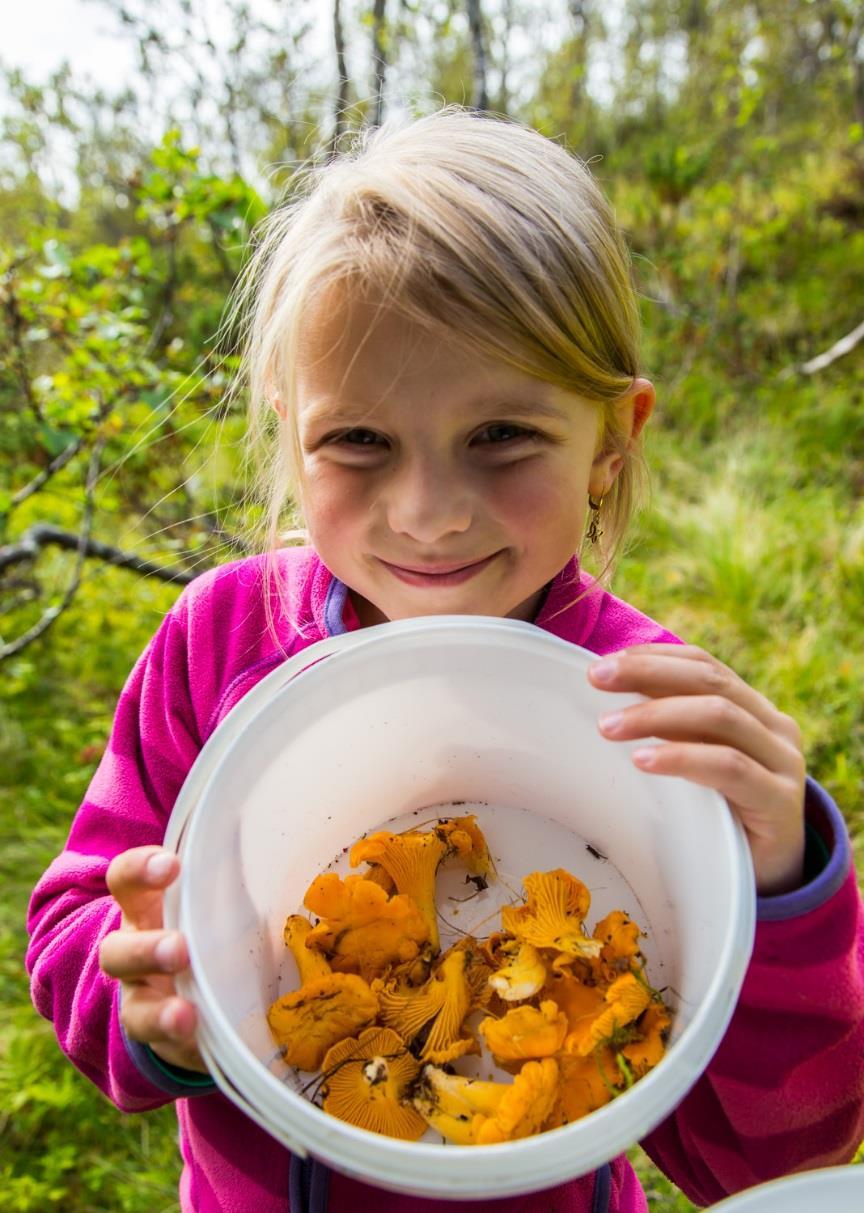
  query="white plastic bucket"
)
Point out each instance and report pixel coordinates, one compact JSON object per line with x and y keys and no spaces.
{"x":833,"y":1190}
{"x":405,"y":721}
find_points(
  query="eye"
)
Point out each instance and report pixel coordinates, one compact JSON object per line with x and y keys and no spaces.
{"x":358,"y":437}
{"x":502,"y":432}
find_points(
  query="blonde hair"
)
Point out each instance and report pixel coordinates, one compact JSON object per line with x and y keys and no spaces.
{"x":474,"y":226}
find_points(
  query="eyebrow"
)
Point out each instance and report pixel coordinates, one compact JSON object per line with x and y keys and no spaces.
{"x":351,"y":412}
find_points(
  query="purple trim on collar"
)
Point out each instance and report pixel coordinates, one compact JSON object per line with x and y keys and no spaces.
{"x":821,"y":813}
{"x":334,"y":607}
{"x":602,"y":1189}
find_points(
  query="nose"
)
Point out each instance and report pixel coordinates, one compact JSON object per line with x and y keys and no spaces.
{"x":427,"y":501}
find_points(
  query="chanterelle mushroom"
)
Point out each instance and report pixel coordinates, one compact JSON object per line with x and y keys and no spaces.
{"x":525,"y":1032}
{"x":322,"y":1012}
{"x":585,"y":1084}
{"x":554,"y":914}
{"x":366,"y":1081}
{"x":519,"y":969}
{"x":465,"y":839}
{"x":648,"y":1045}
{"x":412,"y":859}
{"x":474,"y":1113}
{"x":310,"y":964}
{"x":457,"y":987}
{"x":580,"y":1003}
{"x":620,"y":953}
{"x":362,"y":929}
{"x":626,"y":999}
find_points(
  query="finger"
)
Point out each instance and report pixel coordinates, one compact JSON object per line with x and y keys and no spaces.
{"x":137,"y":879}
{"x":130,"y":955}
{"x":747,"y":783}
{"x":679,"y":670}
{"x":149,"y":1016}
{"x":704,"y":718}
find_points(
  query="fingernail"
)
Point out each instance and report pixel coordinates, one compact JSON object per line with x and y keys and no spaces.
{"x":612,"y":723}
{"x":158,"y":866}
{"x":604,"y":671}
{"x":644,"y":758}
{"x":166,"y":953}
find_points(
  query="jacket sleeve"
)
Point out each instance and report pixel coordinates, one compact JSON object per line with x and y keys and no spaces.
{"x":153,"y":744}
{"x":785,"y":1090}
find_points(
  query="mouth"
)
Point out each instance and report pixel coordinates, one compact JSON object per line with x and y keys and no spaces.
{"x":439,"y":574}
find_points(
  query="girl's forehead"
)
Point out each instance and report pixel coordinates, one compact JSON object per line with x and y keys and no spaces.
{"x":360,"y":353}
{"x":344,"y":323}
{"x":358,"y":346}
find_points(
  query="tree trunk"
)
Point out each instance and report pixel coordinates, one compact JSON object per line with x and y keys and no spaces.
{"x":504,"y":85}
{"x":344,"y":86}
{"x":379,"y":60}
{"x":579,"y":16}
{"x":475,"y":20}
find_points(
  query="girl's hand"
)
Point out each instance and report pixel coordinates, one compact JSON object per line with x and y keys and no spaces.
{"x":145,"y":957}
{"x":722,"y":734}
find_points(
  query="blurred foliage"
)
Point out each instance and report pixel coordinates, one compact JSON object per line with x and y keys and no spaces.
{"x":730,"y":137}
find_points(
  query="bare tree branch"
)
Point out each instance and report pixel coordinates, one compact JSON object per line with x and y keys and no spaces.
{"x":42,"y":534}
{"x":837,"y":350}
{"x":53,"y":613}
{"x":478,"y":45}
{"x":59,"y":461}
{"x":56,"y":464}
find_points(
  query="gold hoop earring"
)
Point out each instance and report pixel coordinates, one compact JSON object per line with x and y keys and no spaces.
{"x":594,"y":533}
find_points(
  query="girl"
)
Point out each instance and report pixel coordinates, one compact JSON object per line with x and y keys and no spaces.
{"x":443,"y":353}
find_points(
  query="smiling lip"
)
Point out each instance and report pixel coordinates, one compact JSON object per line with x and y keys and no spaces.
{"x":438,"y":574}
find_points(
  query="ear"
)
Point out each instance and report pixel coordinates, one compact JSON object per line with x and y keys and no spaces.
{"x":633,"y":409}
{"x":277,"y":405}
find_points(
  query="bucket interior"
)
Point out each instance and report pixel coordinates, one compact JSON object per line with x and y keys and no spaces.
{"x":440,"y":723}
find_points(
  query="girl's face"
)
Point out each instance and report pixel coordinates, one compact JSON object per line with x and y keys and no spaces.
{"x":435,"y":481}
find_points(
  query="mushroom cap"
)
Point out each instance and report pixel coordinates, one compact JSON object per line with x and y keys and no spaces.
{"x":470,"y":1112}
{"x":554,"y":914}
{"x":521,"y":972}
{"x":308,"y":1022}
{"x":585,"y":1084}
{"x":625,"y":999}
{"x":465,"y":839}
{"x":526,"y":1032}
{"x":457,"y":987}
{"x":647,"y":1049}
{"x":366,"y":1081}
{"x":412,"y":860}
{"x":580,"y":1003}
{"x":450,"y":1103}
{"x":362,"y":929}
{"x":620,"y":953}
{"x":525,"y":1107}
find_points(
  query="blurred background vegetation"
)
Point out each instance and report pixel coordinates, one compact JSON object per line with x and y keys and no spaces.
{"x":730,"y":136}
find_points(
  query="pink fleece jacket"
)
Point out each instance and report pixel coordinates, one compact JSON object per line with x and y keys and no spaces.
{"x":784,"y":1092}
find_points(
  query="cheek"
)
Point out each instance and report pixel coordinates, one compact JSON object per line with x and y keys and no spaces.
{"x":331,"y":499}
{"x":541,"y":502}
